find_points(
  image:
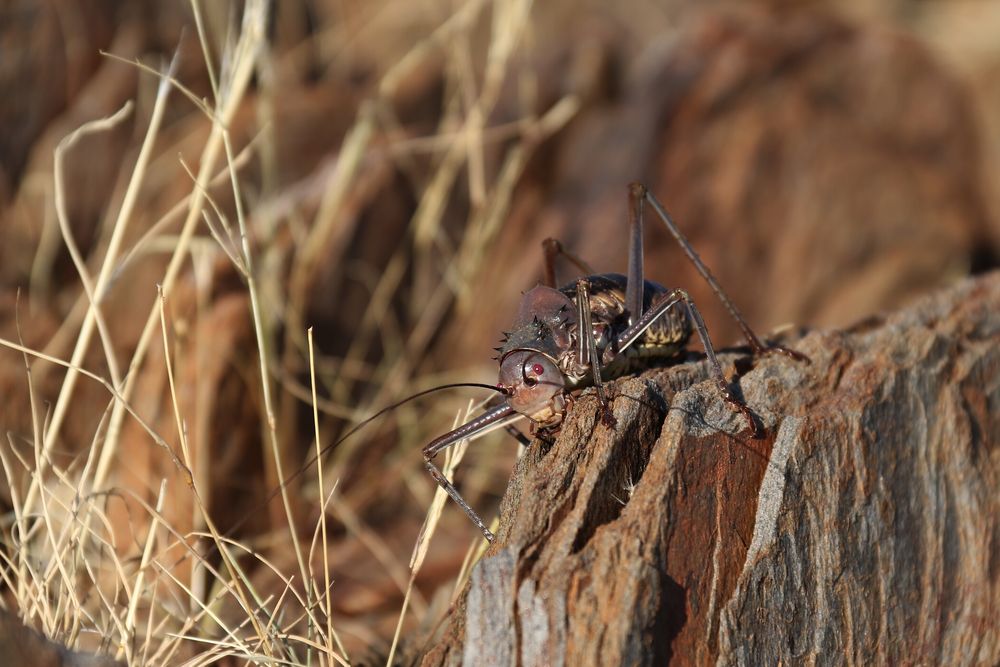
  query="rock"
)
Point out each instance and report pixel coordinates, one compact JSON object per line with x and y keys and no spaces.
{"x":864,"y":524}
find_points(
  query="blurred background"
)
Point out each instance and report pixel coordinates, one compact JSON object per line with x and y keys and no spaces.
{"x":398,"y":165}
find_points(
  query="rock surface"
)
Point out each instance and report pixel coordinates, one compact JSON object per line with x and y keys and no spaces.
{"x":865,"y":525}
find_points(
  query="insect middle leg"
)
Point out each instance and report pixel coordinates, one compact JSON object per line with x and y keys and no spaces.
{"x":552,"y":249}
{"x":587,"y":355}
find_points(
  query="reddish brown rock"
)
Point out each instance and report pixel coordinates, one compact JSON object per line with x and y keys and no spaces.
{"x":865,"y":524}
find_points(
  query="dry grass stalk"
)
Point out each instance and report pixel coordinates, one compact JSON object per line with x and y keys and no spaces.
{"x":167,"y":597}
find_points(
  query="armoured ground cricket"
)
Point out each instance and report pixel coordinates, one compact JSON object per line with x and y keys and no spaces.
{"x":596,"y":328}
{"x":599,"y":327}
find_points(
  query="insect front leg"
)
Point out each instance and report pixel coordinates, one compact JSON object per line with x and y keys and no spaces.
{"x":497,"y":417}
{"x":657,"y":310}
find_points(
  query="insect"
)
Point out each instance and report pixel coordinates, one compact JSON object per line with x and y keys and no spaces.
{"x":597,"y":328}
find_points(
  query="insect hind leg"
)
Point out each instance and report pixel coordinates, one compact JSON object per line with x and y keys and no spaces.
{"x":720,"y":378}
{"x":656,"y":311}
{"x":639,"y":194}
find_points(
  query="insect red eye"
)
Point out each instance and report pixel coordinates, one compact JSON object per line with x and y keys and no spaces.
{"x":537,"y":369}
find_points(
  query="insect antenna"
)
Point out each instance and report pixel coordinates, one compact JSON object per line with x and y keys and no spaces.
{"x":354,"y":429}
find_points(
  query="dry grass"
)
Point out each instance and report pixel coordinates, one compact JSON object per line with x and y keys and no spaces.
{"x":172,"y":587}
{"x":255,"y":287}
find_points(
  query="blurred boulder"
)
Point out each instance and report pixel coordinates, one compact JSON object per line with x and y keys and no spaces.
{"x":824,"y":171}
